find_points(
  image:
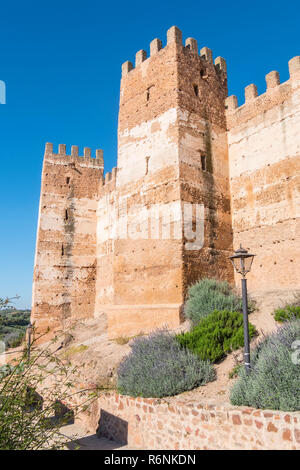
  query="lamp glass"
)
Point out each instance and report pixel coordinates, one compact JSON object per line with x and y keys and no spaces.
{"x":242,"y":261}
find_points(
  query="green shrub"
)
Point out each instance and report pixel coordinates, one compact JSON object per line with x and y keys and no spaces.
{"x":15,"y":339}
{"x":27,"y":418}
{"x":234,"y":371}
{"x":273,"y":382}
{"x":13,"y":323}
{"x":290,"y":312}
{"x":157,"y":367}
{"x":216,"y":335}
{"x":208,"y":295}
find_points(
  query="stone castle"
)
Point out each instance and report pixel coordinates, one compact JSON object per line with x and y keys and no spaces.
{"x":181,"y":141}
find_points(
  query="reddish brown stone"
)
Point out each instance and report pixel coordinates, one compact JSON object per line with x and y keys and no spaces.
{"x":258,"y":424}
{"x":287,"y":435}
{"x":272,"y":428}
{"x":248,"y":422}
{"x":236,"y":419}
{"x":247,"y":411}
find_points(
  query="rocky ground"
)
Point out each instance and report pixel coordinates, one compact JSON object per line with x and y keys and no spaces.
{"x":87,"y":345}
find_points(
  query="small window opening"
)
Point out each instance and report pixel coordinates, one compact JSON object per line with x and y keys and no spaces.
{"x":68,"y":180}
{"x":203,"y":73}
{"x":147,"y":165}
{"x":148,"y":92}
{"x":62,"y":250}
{"x":203,"y":162}
{"x":66,"y":214}
{"x":196,"y":90}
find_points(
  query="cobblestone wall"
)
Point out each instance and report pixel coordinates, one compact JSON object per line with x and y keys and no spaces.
{"x":172,"y":424}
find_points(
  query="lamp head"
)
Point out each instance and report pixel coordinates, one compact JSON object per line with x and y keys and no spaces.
{"x":242,"y":261}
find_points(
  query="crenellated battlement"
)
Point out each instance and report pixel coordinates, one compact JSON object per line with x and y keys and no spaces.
{"x":174,"y":35}
{"x":85,"y":160}
{"x":272,"y":86}
{"x":110,"y":178}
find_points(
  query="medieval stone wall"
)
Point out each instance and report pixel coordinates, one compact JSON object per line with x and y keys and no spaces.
{"x":203,"y":160}
{"x":264,"y":149}
{"x":65,"y":261}
{"x":139,"y":280}
{"x":120,"y":245}
{"x":166,"y":127}
{"x":174,"y":424}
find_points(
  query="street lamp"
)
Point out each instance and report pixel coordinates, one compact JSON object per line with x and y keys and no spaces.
{"x":242,"y":262}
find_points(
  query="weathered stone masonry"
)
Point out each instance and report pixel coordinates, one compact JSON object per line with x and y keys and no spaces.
{"x":180,"y":140}
{"x":65,"y":260}
{"x":149,"y":423}
{"x":264,"y":147}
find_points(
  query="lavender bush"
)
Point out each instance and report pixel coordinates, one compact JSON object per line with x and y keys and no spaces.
{"x":157,"y":367}
{"x":275,"y":374}
{"x":208,"y":295}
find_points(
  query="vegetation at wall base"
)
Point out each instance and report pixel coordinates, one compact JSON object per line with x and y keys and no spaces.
{"x":208,"y":295}
{"x":290,"y":312}
{"x":157,"y":367}
{"x":216,"y":335}
{"x":273,"y":382}
{"x":29,"y":420}
{"x":234,"y":371}
{"x":13,"y":323}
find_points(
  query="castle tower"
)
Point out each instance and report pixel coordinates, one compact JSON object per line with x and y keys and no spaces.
{"x":172,"y":153}
{"x":65,"y":259}
{"x":130,"y":245}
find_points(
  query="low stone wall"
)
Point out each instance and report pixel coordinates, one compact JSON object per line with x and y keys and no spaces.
{"x":173,"y":424}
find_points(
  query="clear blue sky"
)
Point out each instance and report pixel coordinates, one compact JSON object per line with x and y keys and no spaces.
{"x":61,"y":62}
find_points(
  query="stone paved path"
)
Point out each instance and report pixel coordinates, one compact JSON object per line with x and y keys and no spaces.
{"x":82,"y":441}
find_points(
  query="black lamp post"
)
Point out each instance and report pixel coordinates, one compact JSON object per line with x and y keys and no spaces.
{"x":242,"y":262}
